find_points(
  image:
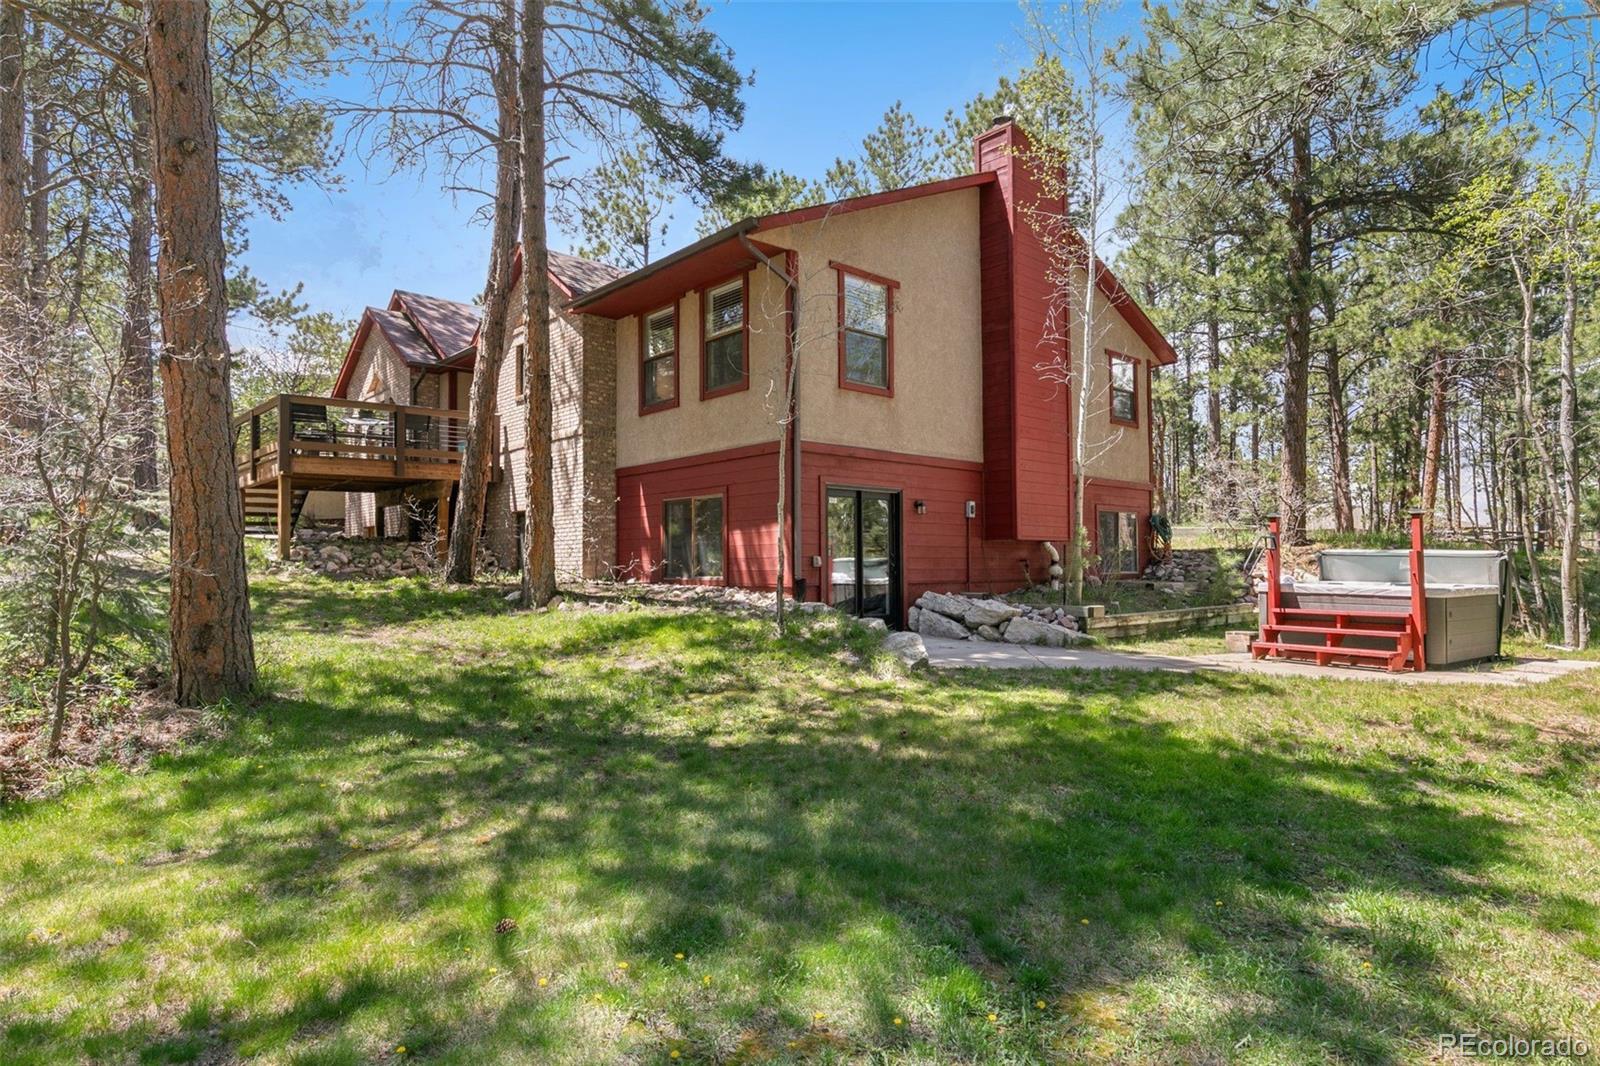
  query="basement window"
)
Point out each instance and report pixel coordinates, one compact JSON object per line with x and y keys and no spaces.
{"x":691,"y":535}
{"x":658,"y":361}
{"x":1124,"y":390}
{"x":722,"y":366}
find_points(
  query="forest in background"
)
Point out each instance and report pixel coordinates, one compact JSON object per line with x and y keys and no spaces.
{"x":1368,"y":229}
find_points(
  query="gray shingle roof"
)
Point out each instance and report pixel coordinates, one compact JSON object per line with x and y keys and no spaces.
{"x":581,"y":276}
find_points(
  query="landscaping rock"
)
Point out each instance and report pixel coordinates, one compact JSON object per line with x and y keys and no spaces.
{"x":1029,"y":631}
{"x":876,"y":625}
{"x":907,"y":647}
{"x":949,"y":606}
{"x":989,"y":613}
{"x":911,"y":618}
{"x":934,"y":624}
{"x":988,"y":633}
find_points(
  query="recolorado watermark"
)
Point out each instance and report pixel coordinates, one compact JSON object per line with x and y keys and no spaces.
{"x":1487,"y":1045}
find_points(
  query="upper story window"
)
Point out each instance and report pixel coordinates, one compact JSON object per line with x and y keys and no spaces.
{"x":723,"y":367}
{"x":1124,"y":389}
{"x":658,"y":361}
{"x":866,"y":331}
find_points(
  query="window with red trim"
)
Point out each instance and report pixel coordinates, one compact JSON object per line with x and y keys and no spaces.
{"x":1124,"y":389}
{"x":691,"y":538}
{"x":866,"y":331}
{"x":723,"y":367}
{"x":658,"y":360}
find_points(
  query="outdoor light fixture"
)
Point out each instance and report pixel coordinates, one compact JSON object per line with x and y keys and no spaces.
{"x":921,"y":506}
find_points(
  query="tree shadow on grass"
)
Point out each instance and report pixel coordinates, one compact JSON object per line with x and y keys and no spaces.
{"x":937,"y":844}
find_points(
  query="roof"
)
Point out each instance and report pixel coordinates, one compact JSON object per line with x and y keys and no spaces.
{"x":578,"y":276}
{"x":446,"y":325}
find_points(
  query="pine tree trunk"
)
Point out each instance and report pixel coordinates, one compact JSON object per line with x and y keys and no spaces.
{"x":1213,"y":362}
{"x":476,"y":462}
{"x":539,"y":569}
{"x":13,"y":174}
{"x":1297,"y":344}
{"x":1573,"y":627}
{"x":138,"y":371}
{"x":211,"y":648}
{"x":1344,"y":508}
{"x":1435,"y":434}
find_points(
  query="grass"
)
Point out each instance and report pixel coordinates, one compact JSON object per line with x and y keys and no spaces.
{"x":855,"y":866}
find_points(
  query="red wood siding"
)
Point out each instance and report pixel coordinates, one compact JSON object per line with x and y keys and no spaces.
{"x":1026,"y":419}
{"x":747,"y":478}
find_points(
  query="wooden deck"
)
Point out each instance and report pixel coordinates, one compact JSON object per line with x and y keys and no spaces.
{"x":290,"y":445}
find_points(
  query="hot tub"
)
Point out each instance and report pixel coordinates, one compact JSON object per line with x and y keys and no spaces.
{"x":1465,"y":594}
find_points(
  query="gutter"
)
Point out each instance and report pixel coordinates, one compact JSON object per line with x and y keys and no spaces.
{"x":738,"y":229}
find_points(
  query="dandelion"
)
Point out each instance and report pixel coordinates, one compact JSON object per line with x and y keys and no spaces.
{"x":1366,"y":965}
{"x":494,"y":969}
{"x":544,"y":982}
{"x":1038,"y":1004}
{"x":622,"y":966}
{"x":994,"y":1017}
{"x":899,"y":1020}
{"x":678,"y":956}
{"x":401,"y":1050}
{"x":817,"y":1017}
{"x":676,"y":1054}
{"x":1219,"y":903}
{"x":706,"y":980}
{"x":1083,"y":921}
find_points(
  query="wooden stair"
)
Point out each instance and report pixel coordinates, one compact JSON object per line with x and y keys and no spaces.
{"x":1406,"y":629}
{"x":261,"y":508}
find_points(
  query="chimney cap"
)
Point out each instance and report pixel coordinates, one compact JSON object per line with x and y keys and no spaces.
{"x":1000,"y":120}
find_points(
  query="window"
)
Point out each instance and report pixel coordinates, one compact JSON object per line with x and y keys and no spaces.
{"x":1119,"y":542}
{"x":520,"y":357}
{"x":691,"y":534}
{"x":1124,"y":390}
{"x":722,"y":366}
{"x":866,"y":331}
{"x":658,"y":361}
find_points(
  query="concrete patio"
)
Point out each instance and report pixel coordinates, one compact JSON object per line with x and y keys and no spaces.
{"x":947,"y":653}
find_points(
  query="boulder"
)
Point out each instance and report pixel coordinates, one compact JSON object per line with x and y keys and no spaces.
{"x":1029,"y":631}
{"x":949,"y":606}
{"x":989,"y":613}
{"x":876,"y":625}
{"x":934,"y":624}
{"x":988,"y":633}
{"x":911,"y":619}
{"x":907,"y":647}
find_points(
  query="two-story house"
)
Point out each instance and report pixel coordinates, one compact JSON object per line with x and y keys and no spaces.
{"x":926,"y":449}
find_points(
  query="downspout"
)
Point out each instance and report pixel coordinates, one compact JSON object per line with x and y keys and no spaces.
{"x":792,"y":307}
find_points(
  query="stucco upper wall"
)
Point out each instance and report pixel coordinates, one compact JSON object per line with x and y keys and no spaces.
{"x":929,"y":246}
{"x":1112,"y":450}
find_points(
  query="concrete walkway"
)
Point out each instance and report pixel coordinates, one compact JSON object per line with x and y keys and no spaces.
{"x":944,"y":652}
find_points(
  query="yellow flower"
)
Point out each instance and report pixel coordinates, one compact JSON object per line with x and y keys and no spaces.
{"x":1366,"y":965}
{"x":597,"y":997}
{"x":675,"y":1054}
{"x":706,"y":980}
{"x":678,"y":956}
{"x":1083,"y":921}
{"x":622,"y":966}
{"x":817,"y":1016}
{"x":994,"y":1017}
{"x":1219,"y":903}
{"x":1038,"y":1004}
{"x":494,"y":969}
{"x":401,"y":1050}
{"x":899,"y":1020}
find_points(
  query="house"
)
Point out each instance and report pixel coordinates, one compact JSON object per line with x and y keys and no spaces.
{"x":926,"y":451}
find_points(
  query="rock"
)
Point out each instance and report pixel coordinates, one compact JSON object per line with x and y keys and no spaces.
{"x":988,"y":633}
{"x":989,"y":613}
{"x":1029,"y":631}
{"x":812,"y":607}
{"x":907,"y":647}
{"x":949,"y":606}
{"x":876,"y":625}
{"x":911,"y":618}
{"x":934,"y":624}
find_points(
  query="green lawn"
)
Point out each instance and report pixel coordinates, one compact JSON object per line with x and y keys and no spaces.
{"x":852,"y":865}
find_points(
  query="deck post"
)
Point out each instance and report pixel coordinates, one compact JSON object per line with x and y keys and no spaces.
{"x":397,"y":421}
{"x":442,"y":546}
{"x":285,"y":513}
{"x":285,"y":435}
{"x":1274,"y":570}
{"x":1419,"y":599}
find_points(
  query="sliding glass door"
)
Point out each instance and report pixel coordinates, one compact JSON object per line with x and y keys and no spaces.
{"x":864,"y":547}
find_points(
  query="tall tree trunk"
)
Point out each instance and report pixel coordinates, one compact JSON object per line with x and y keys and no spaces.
{"x":212,"y":651}
{"x":138,"y":371}
{"x":1297,"y":343}
{"x":13,"y":174}
{"x":539,"y":569}
{"x":1435,"y":434}
{"x":38,"y":202}
{"x":1213,"y":360}
{"x":493,"y":340}
{"x":1344,"y":508}
{"x":1573,"y":628}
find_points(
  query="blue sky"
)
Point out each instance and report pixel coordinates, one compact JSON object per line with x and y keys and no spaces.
{"x":352,"y":247}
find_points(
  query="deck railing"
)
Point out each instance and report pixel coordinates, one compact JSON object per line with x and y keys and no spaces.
{"x":326,"y":435}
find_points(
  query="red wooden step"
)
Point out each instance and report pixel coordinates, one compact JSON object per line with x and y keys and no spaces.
{"x":1321,"y":649}
{"x":1341,"y":631}
{"x":1329,"y":612}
